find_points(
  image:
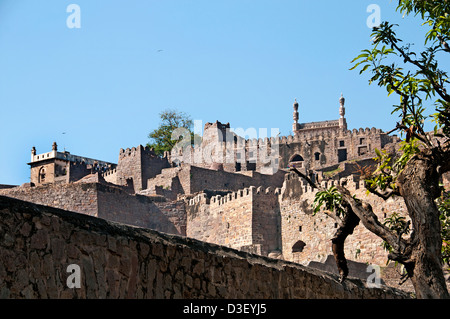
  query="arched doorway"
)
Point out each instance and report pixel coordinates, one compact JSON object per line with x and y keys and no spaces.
{"x":298,"y":246}
{"x":297,"y":249}
{"x":296,"y":161}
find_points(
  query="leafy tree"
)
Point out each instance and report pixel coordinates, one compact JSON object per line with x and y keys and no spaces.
{"x":162,"y":137}
{"x":414,"y":173}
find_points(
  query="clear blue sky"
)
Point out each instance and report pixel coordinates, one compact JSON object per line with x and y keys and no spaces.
{"x":237,"y":61}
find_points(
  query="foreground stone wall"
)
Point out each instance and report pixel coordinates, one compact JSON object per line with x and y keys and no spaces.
{"x":38,"y":243}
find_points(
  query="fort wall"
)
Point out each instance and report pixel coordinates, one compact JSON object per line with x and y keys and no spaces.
{"x":321,"y":150}
{"x":313,"y":233}
{"x":138,"y":164}
{"x":80,"y":198}
{"x":318,"y":148}
{"x":3,"y":186}
{"x":281,"y":221}
{"x":223,"y":220}
{"x":196,"y":179}
{"x":43,"y":173}
{"x":110,"y":176}
{"x":248,"y":219}
{"x":108,"y":202}
{"x":117,"y":261}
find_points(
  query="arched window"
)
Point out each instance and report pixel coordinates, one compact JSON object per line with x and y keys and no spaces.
{"x":41,"y":176}
{"x":298,"y":246}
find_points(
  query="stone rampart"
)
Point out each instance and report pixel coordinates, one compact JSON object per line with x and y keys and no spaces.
{"x":196,"y":179}
{"x":108,"y":202}
{"x":138,"y":164}
{"x":300,"y":227}
{"x":116,"y":261}
{"x":247,"y":219}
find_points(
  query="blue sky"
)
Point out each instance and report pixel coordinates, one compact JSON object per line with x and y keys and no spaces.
{"x":238,"y":61}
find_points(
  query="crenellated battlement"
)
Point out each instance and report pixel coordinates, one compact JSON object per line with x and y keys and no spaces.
{"x":112,"y":171}
{"x":134,"y":151}
{"x":298,"y":137}
{"x":248,"y":192}
{"x":128,"y":152}
{"x":295,"y":185}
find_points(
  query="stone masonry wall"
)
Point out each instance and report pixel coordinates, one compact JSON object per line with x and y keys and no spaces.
{"x":138,"y":164}
{"x":2,"y":186}
{"x":248,"y":219}
{"x":108,"y":202}
{"x":221,"y":220}
{"x":38,"y":243}
{"x":355,"y":144}
{"x":266,"y":227}
{"x":81,"y":198}
{"x":129,"y":167}
{"x":142,"y":211}
{"x":196,"y":179}
{"x":299,"y":224}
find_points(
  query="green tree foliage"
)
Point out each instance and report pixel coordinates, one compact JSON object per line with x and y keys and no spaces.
{"x":162,"y":137}
{"x":330,"y":199}
{"x":423,"y":79}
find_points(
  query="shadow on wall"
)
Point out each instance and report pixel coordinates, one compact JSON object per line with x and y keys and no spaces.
{"x":356,"y":269}
{"x":142,"y":211}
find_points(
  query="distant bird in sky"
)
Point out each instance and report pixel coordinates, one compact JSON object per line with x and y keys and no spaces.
{"x":160,"y":50}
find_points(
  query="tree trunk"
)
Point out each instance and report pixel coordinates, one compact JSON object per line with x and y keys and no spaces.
{"x":419,"y":186}
{"x":349,"y":223}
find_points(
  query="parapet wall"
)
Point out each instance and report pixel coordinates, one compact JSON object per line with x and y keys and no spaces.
{"x":116,"y":261}
{"x":108,"y":202}
{"x":195,"y":179}
{"x":298,"y":137}
{"x":268,"y":154}
{"x":139,"y":164}
{"x":77,"y":197}
{"x":247,"y":219}
{"x":314,"y":232}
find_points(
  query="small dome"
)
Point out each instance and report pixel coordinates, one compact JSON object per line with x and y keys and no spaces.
{"x":342,"y":100}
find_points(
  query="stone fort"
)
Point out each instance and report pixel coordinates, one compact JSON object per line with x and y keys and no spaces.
{"x":241,"y":194}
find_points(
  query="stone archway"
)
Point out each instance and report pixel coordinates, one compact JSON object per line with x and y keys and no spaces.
{"x":297,"y":250}
{"x":296,"y":161}
{"x":41,"y":175}
{"x":298,"y":246}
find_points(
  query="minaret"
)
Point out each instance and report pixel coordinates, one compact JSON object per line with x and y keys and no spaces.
{"x":33,"y":153}
{"x":342,"y":121}
{"x":295,"y":125}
